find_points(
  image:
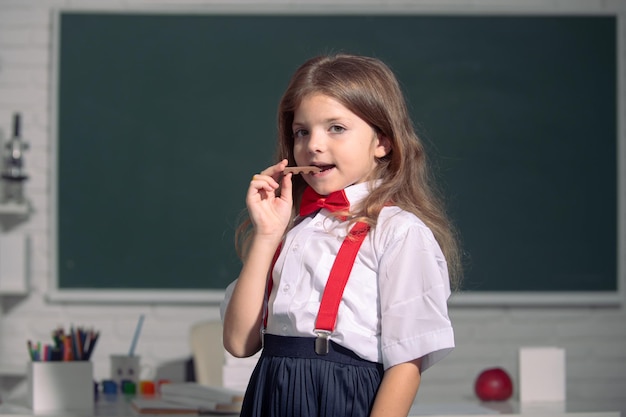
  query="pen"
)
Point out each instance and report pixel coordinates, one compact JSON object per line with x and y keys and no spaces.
{"x":86,"y":340}
{"x":75,"y":345}
{"x":92,"y":344}
{"x":45,"y":355}
{"x":31,"y":352}
{"x":68,"y":352}
{"x":78,"y":344}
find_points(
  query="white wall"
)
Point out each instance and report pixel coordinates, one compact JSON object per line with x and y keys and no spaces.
{"x":594,"y":337}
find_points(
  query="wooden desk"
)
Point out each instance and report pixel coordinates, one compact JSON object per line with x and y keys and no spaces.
{"x":513,"y":409}
{"x":467,"y":408}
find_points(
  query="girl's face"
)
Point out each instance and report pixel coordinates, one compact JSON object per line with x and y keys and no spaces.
{"x":329,"y":136}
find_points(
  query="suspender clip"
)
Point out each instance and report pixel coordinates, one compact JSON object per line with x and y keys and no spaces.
{"x":321,"y":341}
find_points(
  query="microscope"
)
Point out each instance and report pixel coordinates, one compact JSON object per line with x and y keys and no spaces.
{"x":13,"y":173}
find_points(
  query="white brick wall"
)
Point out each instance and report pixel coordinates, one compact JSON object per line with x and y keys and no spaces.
{"x":594,"y":338}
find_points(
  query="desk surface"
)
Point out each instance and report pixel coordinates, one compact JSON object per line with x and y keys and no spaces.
{"x":120,"y":407}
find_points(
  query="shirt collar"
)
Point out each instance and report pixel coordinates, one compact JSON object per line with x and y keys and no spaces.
{"x":357,"y":192}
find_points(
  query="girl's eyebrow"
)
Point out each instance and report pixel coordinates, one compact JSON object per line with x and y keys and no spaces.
{"x":329,"y":120}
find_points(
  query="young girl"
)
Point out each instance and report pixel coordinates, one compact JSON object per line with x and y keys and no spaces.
{"x":346,"y":271}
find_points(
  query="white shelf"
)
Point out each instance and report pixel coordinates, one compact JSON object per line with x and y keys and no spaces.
{"x":14,"y":209}
{"x":13,"y":291}
{"x":8,"y":369}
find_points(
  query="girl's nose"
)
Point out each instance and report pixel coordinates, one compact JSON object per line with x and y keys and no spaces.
{"x":316,"y":142}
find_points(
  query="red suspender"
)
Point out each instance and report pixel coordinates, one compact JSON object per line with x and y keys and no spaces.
{"x":337,"y":280}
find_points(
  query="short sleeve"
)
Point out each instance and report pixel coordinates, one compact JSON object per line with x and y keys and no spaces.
{"x":414,"y":288}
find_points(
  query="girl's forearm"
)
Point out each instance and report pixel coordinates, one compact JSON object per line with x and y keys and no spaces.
{"x":243,"y":315}
{"x":397,"y":390}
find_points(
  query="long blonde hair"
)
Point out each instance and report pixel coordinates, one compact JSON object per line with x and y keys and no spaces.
{"x":368,"y":88}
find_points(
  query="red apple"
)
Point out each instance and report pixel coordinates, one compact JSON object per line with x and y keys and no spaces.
{"x":493,"y":384}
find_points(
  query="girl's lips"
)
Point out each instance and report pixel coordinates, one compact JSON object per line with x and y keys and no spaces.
{"x":324,"y":170}
{"x":324,"y":167}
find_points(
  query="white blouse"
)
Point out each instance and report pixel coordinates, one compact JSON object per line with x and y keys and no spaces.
{"x":394,"y":306}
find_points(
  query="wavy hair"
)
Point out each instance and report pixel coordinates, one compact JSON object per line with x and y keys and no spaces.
{"x":368,"y":88}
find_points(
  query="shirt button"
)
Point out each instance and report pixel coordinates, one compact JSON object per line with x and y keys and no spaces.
{"x":295,"y":248}
{"x":318,"y":224}
{"x":286,"y":288}
{"x":284,"y":328}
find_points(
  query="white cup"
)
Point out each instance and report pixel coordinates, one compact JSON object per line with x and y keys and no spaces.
{"x":125,"y":368}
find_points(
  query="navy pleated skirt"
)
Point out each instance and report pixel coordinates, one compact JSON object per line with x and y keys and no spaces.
{"x":291,"y":380}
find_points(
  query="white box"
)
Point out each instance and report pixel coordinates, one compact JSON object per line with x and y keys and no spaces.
{"x":61,"y":386}
{"x":541,"y":374}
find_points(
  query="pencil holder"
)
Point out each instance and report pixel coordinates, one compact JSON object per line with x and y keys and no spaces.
{"x":61,"y":386}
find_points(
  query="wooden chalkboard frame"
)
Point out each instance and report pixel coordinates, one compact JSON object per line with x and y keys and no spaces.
{"x":471,"y":298}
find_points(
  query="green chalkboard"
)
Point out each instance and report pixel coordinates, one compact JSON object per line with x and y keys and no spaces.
{"x":163,"y":118}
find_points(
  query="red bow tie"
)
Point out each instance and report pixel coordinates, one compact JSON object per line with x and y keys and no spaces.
{"x":312,"y":201}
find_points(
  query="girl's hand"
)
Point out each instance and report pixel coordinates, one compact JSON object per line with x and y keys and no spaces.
{"x":269,"y":213}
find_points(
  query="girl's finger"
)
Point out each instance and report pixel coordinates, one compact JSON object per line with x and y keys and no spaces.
{"x":275,"y":170}
{"x":262,"y":181}
{"x":286,"y":187}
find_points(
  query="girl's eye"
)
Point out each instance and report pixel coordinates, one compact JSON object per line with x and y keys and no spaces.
{"x":300,"y":133}
{"x":337,"y":129}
